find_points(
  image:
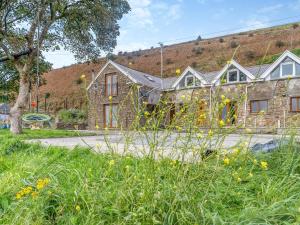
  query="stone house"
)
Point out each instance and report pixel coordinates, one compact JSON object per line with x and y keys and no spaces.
{"x":263,"y":96}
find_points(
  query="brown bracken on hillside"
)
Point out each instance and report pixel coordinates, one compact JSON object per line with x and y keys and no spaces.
{"x":67,"y":91}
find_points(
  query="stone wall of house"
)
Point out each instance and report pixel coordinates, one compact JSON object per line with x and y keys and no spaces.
{"x":276,"y":92}
{"x":124,"y":99}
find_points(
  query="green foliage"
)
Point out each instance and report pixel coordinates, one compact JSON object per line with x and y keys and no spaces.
{"x":272,"y":58}
{"x":72,"y":116}
{"x":36,"y":134}
{"x":94,"y":188}
{"x":9,"y":76}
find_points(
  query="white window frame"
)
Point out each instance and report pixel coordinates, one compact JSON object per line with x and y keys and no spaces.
{"x":185,"y":80}
{"x":287,"y":63}
{"x":238,"y":76}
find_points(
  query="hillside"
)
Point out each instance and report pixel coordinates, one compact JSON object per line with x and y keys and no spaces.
{"x":205,"y":55}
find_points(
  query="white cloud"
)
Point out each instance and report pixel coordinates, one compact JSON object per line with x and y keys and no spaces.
{"x":254,"y":23}
{"x":174,"y":12}
{"x":271,"y":9}
{"x":140,"y":14}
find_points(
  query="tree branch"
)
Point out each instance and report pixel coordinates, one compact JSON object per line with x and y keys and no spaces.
{"x":16,"y":56}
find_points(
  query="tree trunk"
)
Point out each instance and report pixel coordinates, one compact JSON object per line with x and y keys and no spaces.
{"x":17,"y":110}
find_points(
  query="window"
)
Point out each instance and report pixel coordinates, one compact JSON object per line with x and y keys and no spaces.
{"x":235,"y":75}
{"x":295,"y":104}
{"x":111,"y":116}
{"x":243,"y":77}
{"x":111,"y":85}
{"x":189,"y":81}
{"x":287,"y":69}
{"x":232,"y":76}
{"x":259,"y":106}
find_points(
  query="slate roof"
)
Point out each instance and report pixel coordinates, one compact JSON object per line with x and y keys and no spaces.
{"x":140,"y":77}
{"x":166,"y":83}
{"x":257,"y":71}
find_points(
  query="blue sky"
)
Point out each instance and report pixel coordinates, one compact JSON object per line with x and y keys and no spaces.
{"x":173,"y":21}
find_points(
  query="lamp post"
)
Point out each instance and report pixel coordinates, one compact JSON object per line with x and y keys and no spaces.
{"x":161,"y":61}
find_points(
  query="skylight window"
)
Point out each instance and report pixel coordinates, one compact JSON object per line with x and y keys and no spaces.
{"x":149,"y":78}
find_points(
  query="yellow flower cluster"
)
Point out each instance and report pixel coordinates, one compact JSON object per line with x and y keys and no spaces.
{"x":226,"y":161}
{"x":29,"y":190}
{"x":111,"y":162}
{"x":77,"y":207}
{"x":41,"y":183}
{"x":25,"y":191}
{"x":264,"y":165}
{"x":221,"y":123}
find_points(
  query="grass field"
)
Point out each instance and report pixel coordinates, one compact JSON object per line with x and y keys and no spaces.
{"x":41,"y":185}
{"x":34,"y":134}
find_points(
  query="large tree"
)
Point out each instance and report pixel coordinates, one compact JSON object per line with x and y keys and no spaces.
{"x":28,"y":27}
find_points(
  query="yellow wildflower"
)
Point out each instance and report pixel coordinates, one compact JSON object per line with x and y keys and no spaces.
{"x":210,"y":133}
{"x":41,"y":183}
{"x":250,"y":174}
{"x":255,"y":161}
{"x":264,"y":165}
{"x":239,"y":179}
{"x":82,"y":76}
{"x":97,"y":127}
{"x":226,"y":161}
{"x":227,"y":101}
{"x":111,"y":162}
{"x":77,"y":208}
{"x":223,"y":97}
{"x":221,"y":123}
{"x":178,"y":71}
{"x":110,"y":98}
{"x":18,"y":196}
{"x":183,"y":96}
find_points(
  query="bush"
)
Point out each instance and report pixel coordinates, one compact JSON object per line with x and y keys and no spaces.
{"x":250,"y":55}
{"x":72,"y":116}
{"x":295,"y":25}
{"x":279,"y":44}
{"x":233,"y":44}
{"x":221,"y":40}
{"x":198,"y":51}
{"x":199,"y":38}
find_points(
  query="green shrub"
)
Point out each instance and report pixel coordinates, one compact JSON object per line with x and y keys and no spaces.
{"x":72,"y":116}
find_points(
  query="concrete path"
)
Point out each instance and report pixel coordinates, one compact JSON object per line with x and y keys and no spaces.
{"x":168,"y":144}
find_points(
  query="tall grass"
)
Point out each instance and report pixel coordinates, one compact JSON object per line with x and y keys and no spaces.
{"x":92,"y":188}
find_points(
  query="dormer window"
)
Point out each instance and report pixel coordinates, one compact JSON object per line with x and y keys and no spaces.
{"x":287,"y":69}
{"x":191,"y":81}
{"x":235,"y":75}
